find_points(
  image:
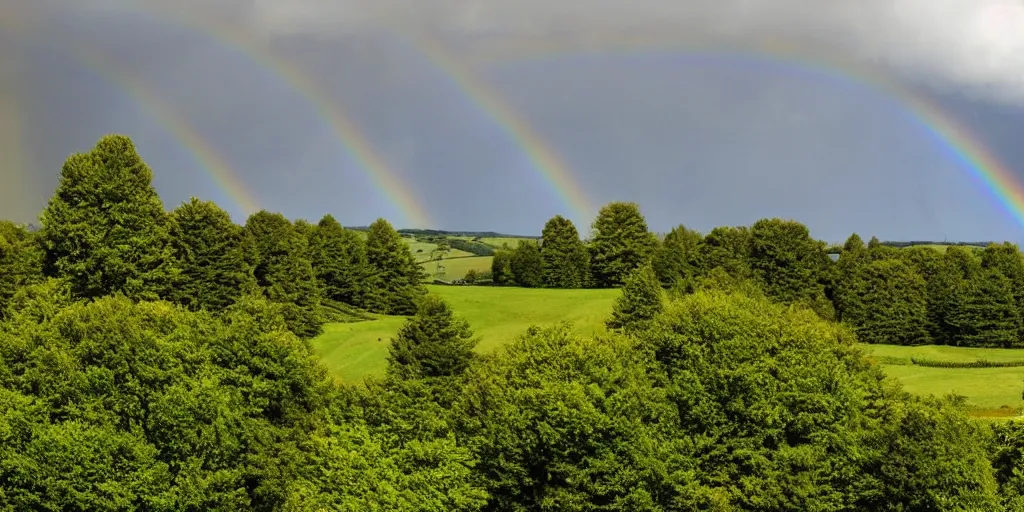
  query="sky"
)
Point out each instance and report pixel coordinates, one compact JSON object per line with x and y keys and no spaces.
{"x":496,"y":115}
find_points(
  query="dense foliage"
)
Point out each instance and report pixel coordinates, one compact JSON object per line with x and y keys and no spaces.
{"x":178,"y":378}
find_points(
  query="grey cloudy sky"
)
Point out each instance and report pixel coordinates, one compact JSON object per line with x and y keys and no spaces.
{"x":662,"y":102}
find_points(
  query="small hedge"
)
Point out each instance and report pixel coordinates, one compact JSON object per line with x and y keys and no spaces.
{"x":980,"y":363}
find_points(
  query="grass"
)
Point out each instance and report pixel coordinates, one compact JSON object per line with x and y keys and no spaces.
{"x":355,"y":350}
{"x":991,"y":392}
{"x":496,"y":242}
{"x":497,"y":315}
{"x":457,"y":268}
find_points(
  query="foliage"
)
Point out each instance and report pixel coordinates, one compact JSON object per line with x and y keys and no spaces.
{"x":394,"y":283}
{"x":105,"y":228}
{"x":526,"y":265}
{"x":283,"y":271}
{"x":501,"y":267}
{"x":678,"y":258}
{"x":891,"y":305}
{"x":640,"y":302}
{"x":433,"y":343}
{"x":210,"y":253}
{"x":564,"y":259}
{"x":472,"y":247}
{"x":338,"y":257}
{"x":620,"y":242}
{"x":20,"y":261}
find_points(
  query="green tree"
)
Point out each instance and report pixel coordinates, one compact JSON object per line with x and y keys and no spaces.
{"x":501,"y":267}
{"x":1006,"y":258}
{"x":987,"y":316}
{"x":678,"y":257}
{"x":564,"y":257}
{"x":338,"y":256}
{"x":640,"y":302}
{"x":105,"y":229}
{"x":210,"y":253}
{"x":620,"y":242}
{"x":284,"y":272}
{"x":433,"y":343}
{"x":395,"y":281}
{"x":893,"y":304}
{"x":526,"y":265}
{"x":790,"y":265}
{"x":848,"y":274}
{"x":727,"y":248}
{"x":21,"y":261}
{"x":948,"y":293}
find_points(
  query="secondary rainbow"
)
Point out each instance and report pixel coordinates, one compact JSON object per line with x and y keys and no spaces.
{"x":386,"y":182}
{"x":970,"y":153}
{"x":548,"y":164}
{"x":211,"y":161}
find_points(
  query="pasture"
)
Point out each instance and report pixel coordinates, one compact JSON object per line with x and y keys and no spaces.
{"x":497,"y":315}
{"x":456,"y":268}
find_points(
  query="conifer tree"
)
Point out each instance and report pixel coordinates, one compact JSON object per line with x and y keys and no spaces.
{"x":678,"y":258}
{"x":338,"y":256}
{"x":208,"y":247}
{"x":789,"y":264}
{"x":433,"y":343}
{"x":852,"y":259}
{"x":988,"y":315}
{"x":1006,"y":258}
{"x":640,"y":302}
{"x":564,"y":257}
{"x":394,"y":283}
{"x":949,"y":292}
{"x":727,"y":248}
{"x":892,"y":306}
{"x":284,"y":272}
{"x":105,"y":228}
{"x":620,"y":243}
{"x":526,"y":265}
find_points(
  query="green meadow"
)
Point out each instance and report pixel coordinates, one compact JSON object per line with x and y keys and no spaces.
{"x":353,"y":351}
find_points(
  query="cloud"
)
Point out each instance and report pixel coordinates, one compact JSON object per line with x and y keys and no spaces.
{"x":973,"y":44}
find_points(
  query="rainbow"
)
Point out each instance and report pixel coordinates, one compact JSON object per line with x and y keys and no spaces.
{"x":387,"y":183}
{"x":948,"y":133}
{"x":226,"y":178}
{"x":542,"y":158}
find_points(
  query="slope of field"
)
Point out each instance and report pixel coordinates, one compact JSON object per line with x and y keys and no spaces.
{"x":497,"y":315}
{"x":456,"y":268}
{"x":497,"y":242}
{"x":992,"y":391}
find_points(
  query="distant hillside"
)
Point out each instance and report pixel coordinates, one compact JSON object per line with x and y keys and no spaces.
{"x":437,"y":232}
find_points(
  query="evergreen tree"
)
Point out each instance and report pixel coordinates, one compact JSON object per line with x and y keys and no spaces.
{"x":619,"y":244}
{"x":395,"y":281}
{"x":789,"y":263}
{"x":640,"y":302}
{"x":678,"y":257}
{"x":1006,"y":258}
{"x":988,"y":315}
{"x":284,"y":272}
{"x":949,"y":292}
{"x":209,"y":250}
{"x":893,"y":305}
{"x":338,"y":256}
{"x":564,"y":257}
{"x":21,"y":261}
{"x":526,"y":265}
{"x":105,"y":227}
{"x":433,"y":343}
{"x":501,"y":267}
{"x":852,"y":259}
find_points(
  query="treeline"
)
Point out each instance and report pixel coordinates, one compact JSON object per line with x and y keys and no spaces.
{"x":127,"y":385}
{"x":915,"y":295}
{"x":105,"y":232}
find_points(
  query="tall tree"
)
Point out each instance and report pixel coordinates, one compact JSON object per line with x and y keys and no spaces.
{"x":395,"y":280}
{"x":948,"y":293}
{"x":105,"y":227}
{"x":728,"y":248}
{"x":565,"y":259}
{"x":987,"y":316}
{"x":433,"y":343}
{"x":893,"y":305}
{"x":338,"y":256}
{"x":678,"y":258}
{"x":789,"y":263}
{"x":1006,"y":258}
{"x":284,"y":272}
{"x":208,"y":247}
{"x":620,"y":243}
{"x":526,"y":265}
{"x":640,"y":302}
{"x":501,"y":267}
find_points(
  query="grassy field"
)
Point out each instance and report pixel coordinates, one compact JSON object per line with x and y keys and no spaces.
{"x":496,"y":242}
{"x":497,"y":315}
{"x":457,"y":268}
{"x":993,"y":392}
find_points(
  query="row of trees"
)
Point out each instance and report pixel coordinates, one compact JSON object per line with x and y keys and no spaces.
{"x":105,"y":231}
{"x":917,"y":295}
